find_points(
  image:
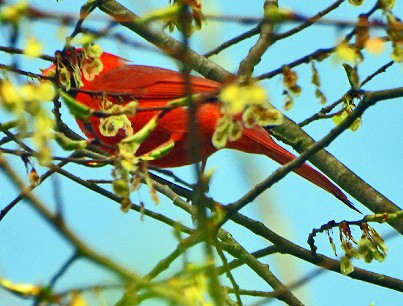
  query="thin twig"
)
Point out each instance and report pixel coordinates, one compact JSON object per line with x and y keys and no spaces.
{"x":227,"y":270}
{"x":377,"y":72}
{"x":26,"y":73}
{"x":13,"y":50}
{"x":233,"y":41}
{"x":258,"y":254}
{"x":63,"y":269}
{"x":323,"y":113}
{"x":310,"y":21}
{"x":164,"y":263}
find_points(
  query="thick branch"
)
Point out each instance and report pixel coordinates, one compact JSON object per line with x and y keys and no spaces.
{"x":265,"y":40}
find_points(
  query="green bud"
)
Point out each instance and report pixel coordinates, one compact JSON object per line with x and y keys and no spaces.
{"x":346,"y":265}
{"x":121,"y":188}
{"x":352,"y":75}
{"x":69,"y":144}
{"x":77,"y":109}
{"x":160,"y":151}
{"x":143,"y":133}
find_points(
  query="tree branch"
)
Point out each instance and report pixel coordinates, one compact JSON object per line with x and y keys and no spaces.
{"x":166,"y":43}
{"x":236,"y":250}
{"x":290,"y":133}
{"x":282,"y":245}
{"x":288,"y":247}
{"x":265,"y":41}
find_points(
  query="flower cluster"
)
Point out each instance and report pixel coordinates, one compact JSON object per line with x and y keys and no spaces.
{"x":347,"y":108}
{"x":26,"y":103}
{"x":194,"y":19}
{"x":251,"y":101}
{"x":118,"y":119}
{"x":91,"y":64}
{"x":14,"y":12}
{"x":371,"y":246}
{"x":395,"y":34}
{"x":129,"y":170}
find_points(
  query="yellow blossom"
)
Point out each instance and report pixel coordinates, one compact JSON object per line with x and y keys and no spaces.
{"x":14,"y":12}
{"x":46,"y":91}
{"x":230,"y":96}
{"x":25,"y":102}
{"x":85,"y":39}
{"x":77,"y":300}
{"x":9,"y":96}
{"x":93,"y":50}
{"x":236,"y":97}
{"x":33,"y":47}
{"x":346,"y":53}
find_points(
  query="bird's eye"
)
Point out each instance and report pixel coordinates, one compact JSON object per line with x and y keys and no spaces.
{"x":69,"y":50}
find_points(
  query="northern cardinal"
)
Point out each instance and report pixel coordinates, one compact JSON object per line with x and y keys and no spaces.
{"x":153,"y":87}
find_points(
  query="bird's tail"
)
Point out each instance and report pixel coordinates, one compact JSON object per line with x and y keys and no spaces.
{"x":258,"y":141}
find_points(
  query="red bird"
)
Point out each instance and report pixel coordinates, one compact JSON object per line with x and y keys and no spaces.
{"x":155,"y":87}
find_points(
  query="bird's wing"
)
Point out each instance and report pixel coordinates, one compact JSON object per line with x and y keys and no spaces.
{"x":149,"y":83}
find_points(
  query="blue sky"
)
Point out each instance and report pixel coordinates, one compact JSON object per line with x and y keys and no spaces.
{"x":31,"y":252}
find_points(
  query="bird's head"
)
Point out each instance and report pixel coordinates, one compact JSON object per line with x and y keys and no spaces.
{"x":77,"y":67}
